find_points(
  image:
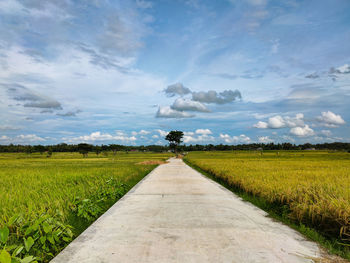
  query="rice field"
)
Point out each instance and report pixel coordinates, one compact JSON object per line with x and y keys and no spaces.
{"x":63,"y":190}
{"x":314,"y":186}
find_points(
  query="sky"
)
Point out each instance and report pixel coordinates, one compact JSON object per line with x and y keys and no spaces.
{"x":129,"y":71}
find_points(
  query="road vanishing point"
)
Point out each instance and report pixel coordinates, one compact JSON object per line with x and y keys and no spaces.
{"x":176,"y":214}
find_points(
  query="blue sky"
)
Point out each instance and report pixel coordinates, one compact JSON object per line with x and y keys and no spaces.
{"x":128,"y":72}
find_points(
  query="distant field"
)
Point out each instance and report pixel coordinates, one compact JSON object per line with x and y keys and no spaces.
{"x":314,"y":186}
{"x":66,"y":187}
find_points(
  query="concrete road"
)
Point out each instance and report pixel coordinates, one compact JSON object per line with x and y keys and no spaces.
{"x":176,"y":214}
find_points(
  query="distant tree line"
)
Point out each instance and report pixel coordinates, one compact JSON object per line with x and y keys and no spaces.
{"x":84,"y":148}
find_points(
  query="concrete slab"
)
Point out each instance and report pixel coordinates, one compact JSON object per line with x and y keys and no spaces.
{"x":178,"y":215}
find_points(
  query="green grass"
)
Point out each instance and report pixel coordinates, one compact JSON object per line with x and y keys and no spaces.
{"x":33,"y":185}
{"x":307,"y":190}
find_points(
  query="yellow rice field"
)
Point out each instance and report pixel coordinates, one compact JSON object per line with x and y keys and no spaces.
{"x":315,"y":185}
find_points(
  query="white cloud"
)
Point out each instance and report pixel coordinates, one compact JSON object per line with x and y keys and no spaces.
{"x":302,"y":131}
{"x":203,"y":131}
{"x":181,"y":104}
{"x":198,"y":136}
{"x":235,"y":139}
{"x":198,"y":139}
{"x":278,"y":122}
{"x":330,"y":119}
{"x":98,"y":136}
{"x":155,"y":136}
{"x":30,"y":137}
{"x":162,"y":133}
{"x":141,"y":132}
{"x":261,"y":125}
{"x":265,"y":139}
{"x":22,"y":139}
{"x":167,"y":112}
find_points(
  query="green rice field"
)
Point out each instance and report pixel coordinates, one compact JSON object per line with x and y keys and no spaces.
{"x":46,"y":202}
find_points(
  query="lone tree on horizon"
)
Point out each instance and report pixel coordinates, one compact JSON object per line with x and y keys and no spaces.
{"x":174,"y":138}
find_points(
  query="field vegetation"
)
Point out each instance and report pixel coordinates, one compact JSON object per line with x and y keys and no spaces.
{"x":47,"y":200}
{"x":309,"y":188}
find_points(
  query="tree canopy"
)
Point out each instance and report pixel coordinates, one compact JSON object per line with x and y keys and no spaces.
{"x":174,"y":138}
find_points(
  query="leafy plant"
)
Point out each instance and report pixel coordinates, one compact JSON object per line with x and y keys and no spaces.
{"x":41,"y":239}
{"x":92,"y":208}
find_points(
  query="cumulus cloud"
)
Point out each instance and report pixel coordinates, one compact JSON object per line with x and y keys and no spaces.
{"x":278,"y":122}
{"x":203,"y":131}
{"x":199,"y":136}
{"x":177,"y":89}
{"x":265,"y":139}
{"x":189,"y":105}
{"x":181,"y":106}
{"x":168,"y":112}
{"x":98,"y":136}
{"x":235,"y":139}
{"x":330,"y":119}
{"x":162,"y":133}
{"x":302,"y":131}
{"x":261,"y":125}
{"x":23,"y":139}
{"x":212,"y":96}
{"x":141,"y":132}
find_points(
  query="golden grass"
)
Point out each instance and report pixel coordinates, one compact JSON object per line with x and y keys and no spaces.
{"x":314,"y":185}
